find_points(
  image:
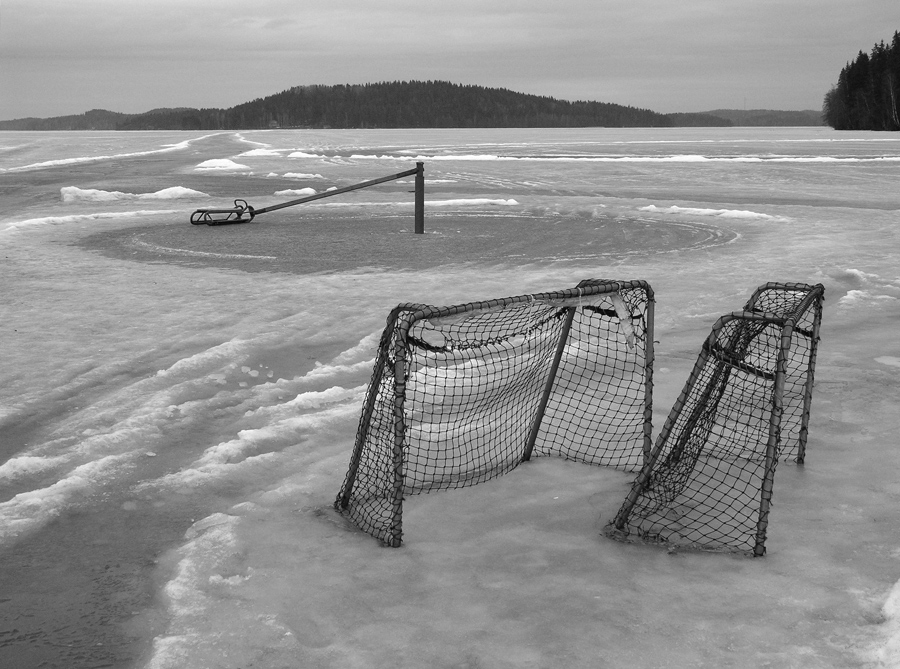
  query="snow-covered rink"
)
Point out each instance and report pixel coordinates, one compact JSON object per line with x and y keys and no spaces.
{"x":178,"y":403}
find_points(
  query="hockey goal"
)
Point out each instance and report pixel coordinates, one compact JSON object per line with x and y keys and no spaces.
{"x":708,"y":481}
{"x":465,"y":393}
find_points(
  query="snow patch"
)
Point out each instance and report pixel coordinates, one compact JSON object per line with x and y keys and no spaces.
{"x":259,"y":152}
{"x":93,"y":159}
{"x":887,"y":653}
{"x":81,"y":218}
{"x":720,"y":213}
{"x":472,"y":202}
{"x":75,"y":194}
{"x":303,"y":154}
{"x":220,"y":164}
{"x":29,"y":510}
{"x":300,"y":192}
{"x":26,"y":465}
{"x":857,"y":297}
{"x":231,"y":456}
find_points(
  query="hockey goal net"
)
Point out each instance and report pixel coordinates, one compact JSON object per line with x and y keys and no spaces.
{"x":709,"y":478}
{"x":465,"y":393}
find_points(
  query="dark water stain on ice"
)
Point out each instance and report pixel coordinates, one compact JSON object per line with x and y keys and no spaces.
{"x":325,"y":241}
{"x":80,"y":593}
{"x":88,"y":610}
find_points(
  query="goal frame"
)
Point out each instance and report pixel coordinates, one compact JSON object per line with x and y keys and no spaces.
{"x":809,"y":307}
{"x":392,"y":359}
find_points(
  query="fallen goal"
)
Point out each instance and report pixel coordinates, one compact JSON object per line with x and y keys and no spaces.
{"x":708,"y":481}
{"x":465,"y":393}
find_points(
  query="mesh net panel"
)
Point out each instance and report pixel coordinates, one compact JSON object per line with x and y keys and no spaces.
{"x":473,"y":381}
{"x":800,"y":361}
{"x":704,"y":482}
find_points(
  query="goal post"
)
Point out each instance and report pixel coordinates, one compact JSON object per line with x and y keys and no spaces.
{"x":462,"y":394}
{"x":709,"y":478}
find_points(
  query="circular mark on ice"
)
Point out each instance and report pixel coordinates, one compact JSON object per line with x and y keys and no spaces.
{"x":306,"y":241}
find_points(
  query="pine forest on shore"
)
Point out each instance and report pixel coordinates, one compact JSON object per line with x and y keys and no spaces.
{"x":867,"y":93}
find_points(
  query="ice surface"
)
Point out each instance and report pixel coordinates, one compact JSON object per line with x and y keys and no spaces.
{"x":245,"y":384}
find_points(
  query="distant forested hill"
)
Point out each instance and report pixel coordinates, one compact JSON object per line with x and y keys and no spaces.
{"x":769,"y":117}
{"x":698,"y":120}
{"x":402,"y":104}
{"x":408,"y":104}
{"x":413,"y":104}
{"x":96,"y":119}
{"x":867,"y":93}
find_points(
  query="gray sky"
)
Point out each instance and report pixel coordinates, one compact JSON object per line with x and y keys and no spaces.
{"x":68,"y":56}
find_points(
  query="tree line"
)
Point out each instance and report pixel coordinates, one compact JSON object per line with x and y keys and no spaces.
{"x":867,"y":93}
{"x":410,"y":104}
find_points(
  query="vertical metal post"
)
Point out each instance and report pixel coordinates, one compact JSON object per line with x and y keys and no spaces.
{"x":648,"y":381}
{"x":548,"y":386}
{"x":774,"y":441}
{"x":396,"y":529}
{"x":420,"y":198}
{"x":810,"y":379}
{"x":362,"y":431}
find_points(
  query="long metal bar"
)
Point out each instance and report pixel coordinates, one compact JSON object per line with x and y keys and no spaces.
{"x":548,"y":386}
{"x":338,"y":191}
{"x":244,"y":213}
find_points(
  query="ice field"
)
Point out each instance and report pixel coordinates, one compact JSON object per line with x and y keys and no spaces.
{"x":178,"y":403}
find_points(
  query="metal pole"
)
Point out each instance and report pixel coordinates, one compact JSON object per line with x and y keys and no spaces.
{"x":548,"y":387}
{"x":420,"y":198}
{"x":810,"y":374}
{"x":648,"y":381}
{"x":362,"y":432}
{"x":400,"y":350}
{"x":774,"y":441}
{"x":336,"y":191}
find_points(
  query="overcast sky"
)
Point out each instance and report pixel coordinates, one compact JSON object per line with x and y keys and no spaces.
{"x":68,"y":56}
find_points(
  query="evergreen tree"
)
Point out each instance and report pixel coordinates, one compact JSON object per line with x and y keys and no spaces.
{"x":867,"y":93}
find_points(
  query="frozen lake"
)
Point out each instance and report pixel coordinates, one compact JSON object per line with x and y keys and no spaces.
{"x":178,"y":403}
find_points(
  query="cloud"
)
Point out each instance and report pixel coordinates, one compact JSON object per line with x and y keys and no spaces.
{"x":65,"y":57}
